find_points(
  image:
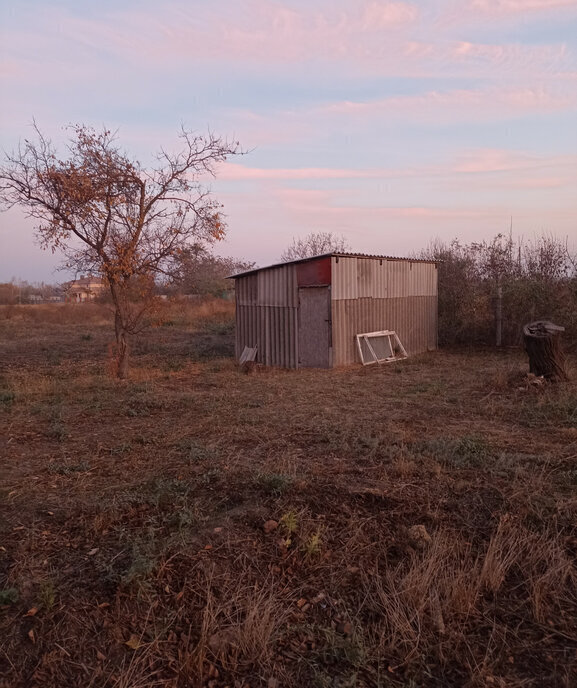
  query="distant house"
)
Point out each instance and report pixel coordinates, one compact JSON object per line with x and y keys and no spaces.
{"x":84,"y":289}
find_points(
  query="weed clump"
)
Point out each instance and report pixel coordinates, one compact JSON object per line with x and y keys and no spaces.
{"x":194,"y":452}
{"x":274,"y":483}
{"x":468,"y":451}
{"x":8,"y":596}
{"x":7,"y":398}
{"x":64,"y":468}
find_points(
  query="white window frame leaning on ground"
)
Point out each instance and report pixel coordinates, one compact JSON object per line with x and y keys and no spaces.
{"x":385,"y":339}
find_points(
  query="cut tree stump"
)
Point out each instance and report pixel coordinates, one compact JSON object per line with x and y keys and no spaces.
{"x":543,"y":346}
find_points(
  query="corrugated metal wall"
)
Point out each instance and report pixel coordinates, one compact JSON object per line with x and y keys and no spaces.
{"x":381,"y":278}
{"x":272,"y":329}
{"x":267,"y":315}
{"x":413,"y":318}
{"x":278,"y":287}
{"x":370,"y":294}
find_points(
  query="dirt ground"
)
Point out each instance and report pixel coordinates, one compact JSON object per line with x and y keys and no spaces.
{"x":406,"y":525}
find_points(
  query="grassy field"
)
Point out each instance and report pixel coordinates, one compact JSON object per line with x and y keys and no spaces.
{"x":409,"y":525}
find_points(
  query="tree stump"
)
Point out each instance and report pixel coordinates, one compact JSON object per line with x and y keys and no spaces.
{"x":543,"y":346}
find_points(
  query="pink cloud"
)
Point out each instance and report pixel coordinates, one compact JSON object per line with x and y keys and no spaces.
{"x":380,"y":15}
{"x":537,"y":183}
{"x":530,"y":171}
{"x":484,"y":207}
{"x":233,"y":171}
{"x":12,"y":69}
{"x":493,"y":160}
{"x":458,"y":105}
{"x":495,"y":7}
{"x":268,"y":30}
{"x":318,"y":204}
{"x":369,"y":36}
{"x":512,"y":55}
{"x":489,"y":160}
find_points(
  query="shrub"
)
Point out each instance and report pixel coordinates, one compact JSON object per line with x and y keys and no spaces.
{"x":538,"y":280}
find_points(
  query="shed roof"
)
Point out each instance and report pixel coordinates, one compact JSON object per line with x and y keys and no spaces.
{"x":330,"y":255}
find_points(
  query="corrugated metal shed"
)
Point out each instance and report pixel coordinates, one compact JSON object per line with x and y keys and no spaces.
{"x":364,"y":294}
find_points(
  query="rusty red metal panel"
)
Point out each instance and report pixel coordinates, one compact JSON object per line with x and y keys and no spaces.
{"x":314,"y":273}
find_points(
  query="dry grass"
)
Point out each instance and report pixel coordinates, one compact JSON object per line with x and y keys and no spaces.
{"x":425,"y":517}
{"x":58,"y":314}
{"x":181,"y":311}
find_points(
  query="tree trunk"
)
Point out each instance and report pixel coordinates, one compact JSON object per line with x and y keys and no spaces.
{"x":543,"y":346}
{"x":122,"y":347}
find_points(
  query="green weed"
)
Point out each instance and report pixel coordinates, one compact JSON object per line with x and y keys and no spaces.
{"x":194,"y":452}
{"x":8,"y":596}
{"x":274,"y":483}
{"x":557,"y":409}
{"x":139,"y":570}
{"x":47,"y":595}
{"x":167,"y":490}
{"x":469,"y":451}
{"x":210,"y":477}
{"x":173,"y":365}
{"x":289,"y":522}
{"x":218,"y":328}
{"x":119,"y":449}
{"x":7,"y":398}
{"x":62,"y":468}
{"x":312,"y":545}
{"x":57,"y":430}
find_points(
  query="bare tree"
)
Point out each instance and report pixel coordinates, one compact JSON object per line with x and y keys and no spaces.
{"x":315,"y":244}
{"x":109,"y":214}
{"x":198,"y":271}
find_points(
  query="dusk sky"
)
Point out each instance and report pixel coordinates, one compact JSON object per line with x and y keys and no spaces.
{"x":390,"y":123}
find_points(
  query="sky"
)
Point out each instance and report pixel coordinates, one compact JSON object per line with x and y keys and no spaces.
{"x":390,"y":123}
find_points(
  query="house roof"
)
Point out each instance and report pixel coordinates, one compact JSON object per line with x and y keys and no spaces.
{"x":85,"y":283}
{"x":330,"y":255}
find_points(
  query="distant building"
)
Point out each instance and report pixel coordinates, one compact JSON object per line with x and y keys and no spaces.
{"x":307,"y":313}
{"x":84,"y":289}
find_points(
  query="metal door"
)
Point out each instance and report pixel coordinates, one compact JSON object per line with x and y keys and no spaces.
{"x":314,"y":327}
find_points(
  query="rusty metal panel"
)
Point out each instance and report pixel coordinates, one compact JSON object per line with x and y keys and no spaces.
{"x":414,"y":319}
{"x":314,"y":273}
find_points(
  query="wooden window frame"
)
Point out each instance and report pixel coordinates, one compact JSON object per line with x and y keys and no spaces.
{"x":395,"y":346}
